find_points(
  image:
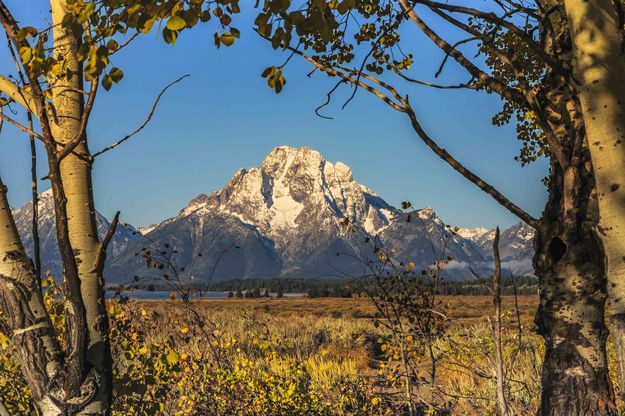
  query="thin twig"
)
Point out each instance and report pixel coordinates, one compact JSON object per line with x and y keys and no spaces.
{"x":145,"y":123}
{"x":21,"y":126}
{"x":101,"y":256}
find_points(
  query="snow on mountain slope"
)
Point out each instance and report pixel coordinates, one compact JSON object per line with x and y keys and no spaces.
{"x":288,"y":218}
{"x":50,"y":259}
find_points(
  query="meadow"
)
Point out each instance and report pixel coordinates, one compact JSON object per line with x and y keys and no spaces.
{"x":305,"y":356}
{"x":302,"y":357}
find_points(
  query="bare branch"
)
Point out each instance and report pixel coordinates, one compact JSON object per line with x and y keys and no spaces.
{"x":328,"y":98}
{"x":336,"y":73}
{"x":404,"y":107}
{"x":145,"y":123}
{"x":468,"y":85}
{"x":21,"y":126}
{"x":16,"y":93}
{"x":482,"y":77}
{"x":98,"y":265}
{"x":499,"y":21}
{"x":80,"y":136}
{"x":35,"y":201}
{"x":479,"y":182}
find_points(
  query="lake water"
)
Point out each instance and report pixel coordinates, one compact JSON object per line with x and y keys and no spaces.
{"x":167,"y":295}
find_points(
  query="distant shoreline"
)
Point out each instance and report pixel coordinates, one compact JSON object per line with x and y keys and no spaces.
{"x":164,"y":295}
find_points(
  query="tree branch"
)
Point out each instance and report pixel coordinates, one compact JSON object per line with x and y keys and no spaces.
{"x":11,"y":28}
{"x":482,"y":77}
{"x":80,"y":136}
{"x":16,"y":93}
{"x":21,"y":126}
{"x":98,"y":265}
{"x":405,"y":107}
{"x":496,"y":20}
{"x":468,"y":85}
{"x":145,"y":123}
{"x":458,"y":167}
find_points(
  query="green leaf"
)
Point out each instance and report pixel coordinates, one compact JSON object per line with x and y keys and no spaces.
{"x":268,"y":71}
{"x":26,"y":54}
{"x":169,"y":36}
{"x":112,"y":45}
{"x":26,"y":32}
{"x":176,"y":23}
{"x":227,"y":38}
{"x":107,"y":82}
{"x":116,"y":74}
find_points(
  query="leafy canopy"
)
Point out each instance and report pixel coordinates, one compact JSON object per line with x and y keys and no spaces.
{"x":104,"y":27}
{"x":365,"y":36}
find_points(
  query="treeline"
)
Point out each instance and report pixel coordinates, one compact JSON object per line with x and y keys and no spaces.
{"x":315,"y":288}
{"x":312,"y":288}
{"x":523,"y":285}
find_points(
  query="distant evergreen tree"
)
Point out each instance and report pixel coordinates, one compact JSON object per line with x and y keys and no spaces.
{"x":239,"y":293}
{"x":280,"y":293}
{"x":230,"y":294}
{"x":266,"y":295}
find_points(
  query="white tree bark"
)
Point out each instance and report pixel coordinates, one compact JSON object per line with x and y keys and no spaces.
{"x":596,"y":29}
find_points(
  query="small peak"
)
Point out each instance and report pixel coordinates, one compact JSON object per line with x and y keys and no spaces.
{"x":278,"y":161}
{"x":46,"y":194}
{"x":473,"y":233}
{"x":198,"y":200}
{"x":343,"y":169}
{"x":428,"y":213}
{"x":290,"y":152}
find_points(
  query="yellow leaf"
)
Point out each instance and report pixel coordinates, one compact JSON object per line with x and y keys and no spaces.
{"x":172,"y":357}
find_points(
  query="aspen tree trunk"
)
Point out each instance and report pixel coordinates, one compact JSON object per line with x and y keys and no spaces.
{"x":496,"y":329}
{"x":68,"y":103}
{"x":596,"y":29}
{"x":570,"y":317}
{"x":38,"y":351}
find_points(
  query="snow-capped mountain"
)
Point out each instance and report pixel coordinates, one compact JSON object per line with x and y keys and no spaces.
{"x":299,"y":215}
{"x":474,"y":234}
{"x":296,"y":215}
{"x":515,"y":246}
{"x":124,"y":236}
{"x":422,"y":238}
{"x":299,"y":200}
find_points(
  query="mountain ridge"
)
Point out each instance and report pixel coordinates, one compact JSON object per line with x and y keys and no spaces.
{"x":290,"y":217}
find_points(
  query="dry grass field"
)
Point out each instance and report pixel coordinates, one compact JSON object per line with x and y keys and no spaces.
{"x":461,"y":310}
{"x":299,"y":356}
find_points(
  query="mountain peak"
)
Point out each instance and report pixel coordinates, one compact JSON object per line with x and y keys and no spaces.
{"x":296,"y":188}
{"x":473,"y":234}
{"x":286,"y":217}
{"x":46,"y":194}
{"x":428,"y":213}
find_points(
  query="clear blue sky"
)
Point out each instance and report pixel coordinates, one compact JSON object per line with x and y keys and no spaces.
{"x":224,"y":117}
